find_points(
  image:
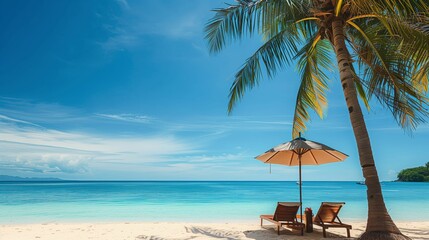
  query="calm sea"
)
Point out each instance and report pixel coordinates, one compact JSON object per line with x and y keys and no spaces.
{"x":34,"y":202}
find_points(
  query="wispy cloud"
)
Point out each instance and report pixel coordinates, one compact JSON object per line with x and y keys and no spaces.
{"x":139,"y":20}
{"x":183,"y":27}
{"x":121,"y":40}
{"x":143,"y":145}
{"x":149,"y":148}
{"x":37,"y":112}
{"x":222,"y":125}
{"x":27,"y":112}
{"x":26,"y":147}
{"x":224,"y":157}
{"x":126,"y":117}
{"x":46,"y":163}
{"x":78,"y":155}
{"x":13,"y":120}
{"x":18,"y":157}
{"x":123,"y":3}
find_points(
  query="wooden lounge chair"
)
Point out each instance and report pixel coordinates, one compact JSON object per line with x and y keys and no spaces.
{"x":328,"y":214}
{"x":285,"y":215}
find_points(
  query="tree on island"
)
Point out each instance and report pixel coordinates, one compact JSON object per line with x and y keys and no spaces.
{"x":380,"y":48}
{"x":417,"y":174}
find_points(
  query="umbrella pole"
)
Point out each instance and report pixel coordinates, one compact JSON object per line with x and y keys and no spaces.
{"x":300,"y":185}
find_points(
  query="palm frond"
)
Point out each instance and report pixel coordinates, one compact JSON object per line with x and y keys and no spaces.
{"x":248,"y":16}
{"x":414,"y":37}
{"x":412,"y":31}
{"x":231,"y":23}
{"x":279,"y":14}
{"x":371,"y":44}
{"x":314,"y":60}
{"x":338,"y":7}
{"x":275,"y":53}
{"x":401,"y":8}
{"x":388,"y":74}
{"x":359,"y":84}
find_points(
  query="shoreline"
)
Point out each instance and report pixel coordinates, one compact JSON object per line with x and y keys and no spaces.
{"x":201,"y":221}
{"x":254,"y":220}
{"x":162,"y":230}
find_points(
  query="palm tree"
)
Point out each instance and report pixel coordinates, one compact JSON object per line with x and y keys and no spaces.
{"x":380,"y":47}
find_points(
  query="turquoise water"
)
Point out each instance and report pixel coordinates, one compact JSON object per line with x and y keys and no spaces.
{"x":24,"y":202}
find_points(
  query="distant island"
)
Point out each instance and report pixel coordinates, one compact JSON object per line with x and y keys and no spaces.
{"x":417,"y":174}
{"x":6,"y":178}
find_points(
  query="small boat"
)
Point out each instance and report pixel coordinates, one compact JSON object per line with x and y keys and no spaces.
{"x":361,"y":183}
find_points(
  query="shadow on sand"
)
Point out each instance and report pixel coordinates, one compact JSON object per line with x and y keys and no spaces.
{"x":214,"y":233}
{"x":266,"y":233}
{"x":422,"y":234}
{"x":270,"y":233}
{"x":144,"y":237}
{"x":287,"y":234}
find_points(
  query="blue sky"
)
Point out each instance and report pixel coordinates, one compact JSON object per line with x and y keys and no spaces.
{"x":127,"y":90}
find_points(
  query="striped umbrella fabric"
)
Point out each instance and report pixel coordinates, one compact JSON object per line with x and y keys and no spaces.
{"x":311,"y":153}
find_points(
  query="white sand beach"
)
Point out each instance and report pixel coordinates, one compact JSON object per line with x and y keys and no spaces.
{"x":181,"y":231}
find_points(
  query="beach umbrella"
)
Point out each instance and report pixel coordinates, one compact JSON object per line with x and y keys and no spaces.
{"x":301,"y":151}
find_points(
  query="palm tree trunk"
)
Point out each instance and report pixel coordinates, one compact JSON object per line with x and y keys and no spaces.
{"x":379,"y":220}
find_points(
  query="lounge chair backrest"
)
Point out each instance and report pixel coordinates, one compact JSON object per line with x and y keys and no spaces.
{"x":286,"y":211}
{"x":328,"y":211}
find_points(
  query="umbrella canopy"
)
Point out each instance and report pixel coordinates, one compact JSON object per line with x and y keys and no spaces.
{"x":301,"y":152}
{"x":311,"y":153}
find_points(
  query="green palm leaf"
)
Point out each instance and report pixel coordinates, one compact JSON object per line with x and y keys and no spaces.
{"x":388,"y":74}
{"x":314,"y":60}
{"x":231,"y":23}
{"x":269,"y":17}
{"x":279,"y":50}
